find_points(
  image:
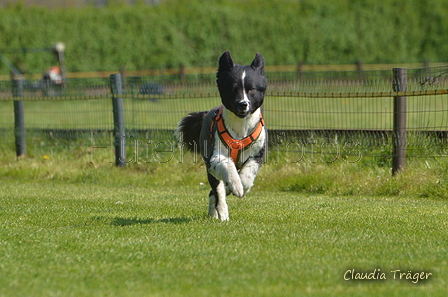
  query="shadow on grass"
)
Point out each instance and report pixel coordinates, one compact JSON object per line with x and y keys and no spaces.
{"x":128,"y":221}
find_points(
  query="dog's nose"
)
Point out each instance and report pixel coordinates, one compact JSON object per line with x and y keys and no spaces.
{"x":243,"y":105}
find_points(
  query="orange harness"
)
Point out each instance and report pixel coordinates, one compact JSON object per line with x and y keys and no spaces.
{"x":236,"y":146}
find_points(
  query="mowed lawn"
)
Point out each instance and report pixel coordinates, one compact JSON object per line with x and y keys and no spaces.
{"x":136,"y":232}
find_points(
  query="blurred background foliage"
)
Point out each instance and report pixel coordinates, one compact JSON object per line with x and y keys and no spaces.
{"x":194,"y":33}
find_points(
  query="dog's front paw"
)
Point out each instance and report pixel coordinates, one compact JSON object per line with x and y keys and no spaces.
{"x":223,"y":213}
{"x":236,"y":188}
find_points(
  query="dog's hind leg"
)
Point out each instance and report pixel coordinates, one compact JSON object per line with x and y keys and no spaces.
{"x":217,"y":207}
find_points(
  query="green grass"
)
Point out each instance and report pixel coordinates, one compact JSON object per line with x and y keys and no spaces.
{"x":73,"y":228}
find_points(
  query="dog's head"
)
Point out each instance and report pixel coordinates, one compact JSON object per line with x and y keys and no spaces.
{"x":241,"y":88}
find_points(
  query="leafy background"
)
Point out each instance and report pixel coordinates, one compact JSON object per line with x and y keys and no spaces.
{"x":194,"y":33}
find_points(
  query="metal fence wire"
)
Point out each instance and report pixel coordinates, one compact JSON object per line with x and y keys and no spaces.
{"x":318,"y":110}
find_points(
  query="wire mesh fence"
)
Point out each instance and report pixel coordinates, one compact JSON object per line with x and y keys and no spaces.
{"x":347,"y":113}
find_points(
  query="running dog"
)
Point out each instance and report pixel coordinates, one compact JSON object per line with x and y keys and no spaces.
{"x":232,"y":137}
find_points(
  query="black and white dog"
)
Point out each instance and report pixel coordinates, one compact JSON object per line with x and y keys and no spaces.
{"x":232,"y":137}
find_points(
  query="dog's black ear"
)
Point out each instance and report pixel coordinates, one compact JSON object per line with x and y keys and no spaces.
{"x":226,"y":62}
{"x":258,"y":63}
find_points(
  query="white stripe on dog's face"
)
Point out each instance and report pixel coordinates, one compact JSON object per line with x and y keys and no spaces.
{"x":245,"y":98}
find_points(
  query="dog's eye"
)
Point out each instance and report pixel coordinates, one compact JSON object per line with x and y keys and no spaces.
{"x":252,"y":90}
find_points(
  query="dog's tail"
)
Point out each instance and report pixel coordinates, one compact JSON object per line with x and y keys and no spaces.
{"x":189,"y":129}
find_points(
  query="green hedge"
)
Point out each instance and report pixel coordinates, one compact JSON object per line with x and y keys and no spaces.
{"x":195,"y":33}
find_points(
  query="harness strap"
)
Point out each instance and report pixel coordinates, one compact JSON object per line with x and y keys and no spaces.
{"x":236,"y":146}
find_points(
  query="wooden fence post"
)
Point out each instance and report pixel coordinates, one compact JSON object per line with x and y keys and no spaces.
{"x":399,"y":129}
{"x":119,"y":128}
{"x":19,"y":118}
{"x":299,"y":70}
{"x":182,"y":73}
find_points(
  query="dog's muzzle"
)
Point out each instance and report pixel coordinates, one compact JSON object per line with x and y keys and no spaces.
{"x":242,"y":108}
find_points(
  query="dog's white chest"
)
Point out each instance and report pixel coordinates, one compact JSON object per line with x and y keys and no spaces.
{"x":222,"y":152}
